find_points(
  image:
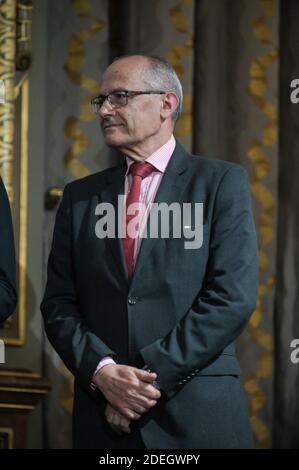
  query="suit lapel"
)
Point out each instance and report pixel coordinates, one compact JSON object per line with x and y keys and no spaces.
{"x":170,"y":189}
{"x":114,"y":188}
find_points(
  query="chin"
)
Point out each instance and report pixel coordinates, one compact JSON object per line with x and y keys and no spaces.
{"x":113,"y":142}
{"x":114,"y":138}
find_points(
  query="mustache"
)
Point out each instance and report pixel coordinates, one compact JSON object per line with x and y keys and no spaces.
{"x":108,"y":122}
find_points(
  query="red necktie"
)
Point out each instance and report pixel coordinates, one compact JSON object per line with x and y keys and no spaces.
{"x":139,"y":170}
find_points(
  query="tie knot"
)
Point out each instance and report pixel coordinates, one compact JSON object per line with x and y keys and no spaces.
{"x":141,"y":169}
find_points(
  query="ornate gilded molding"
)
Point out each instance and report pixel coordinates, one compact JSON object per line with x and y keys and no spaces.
{"x":24,"y":35}
{"x":7,"y":109}
{"x":15,"y":53}
{"x":257,"y":154}
{"x":15,"y":60}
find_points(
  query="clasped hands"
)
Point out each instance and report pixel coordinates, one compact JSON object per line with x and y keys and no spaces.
{"x":129,"y":393}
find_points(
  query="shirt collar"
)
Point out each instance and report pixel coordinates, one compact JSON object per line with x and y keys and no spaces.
{"x":160,"y":158}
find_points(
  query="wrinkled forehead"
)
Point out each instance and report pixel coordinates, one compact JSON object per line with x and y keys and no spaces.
{"x":122,"y":75}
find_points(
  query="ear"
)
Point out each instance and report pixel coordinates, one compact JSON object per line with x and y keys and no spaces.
{"x":169,"y":104}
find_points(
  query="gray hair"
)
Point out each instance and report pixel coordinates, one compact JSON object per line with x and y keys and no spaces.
{"x":161,"y":75}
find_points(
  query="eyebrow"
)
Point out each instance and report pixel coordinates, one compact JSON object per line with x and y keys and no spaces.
{"x":113,"y":91}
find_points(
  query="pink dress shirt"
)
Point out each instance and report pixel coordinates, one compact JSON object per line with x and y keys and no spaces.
{"x":149,"y":187}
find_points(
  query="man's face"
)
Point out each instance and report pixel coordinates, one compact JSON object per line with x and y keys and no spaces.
{"x":140,"y":120}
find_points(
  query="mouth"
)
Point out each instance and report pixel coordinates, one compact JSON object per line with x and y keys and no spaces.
{"x":111,"y":126}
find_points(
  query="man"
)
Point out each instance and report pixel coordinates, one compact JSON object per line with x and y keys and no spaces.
{"x":146,"y":324}
{"x":8,"y":295}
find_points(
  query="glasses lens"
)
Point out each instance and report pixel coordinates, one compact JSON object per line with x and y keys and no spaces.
{"x":118,"y":98}
{"x":96,"y":105}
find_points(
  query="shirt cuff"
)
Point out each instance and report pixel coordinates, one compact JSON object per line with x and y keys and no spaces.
{"x":103,"y":362}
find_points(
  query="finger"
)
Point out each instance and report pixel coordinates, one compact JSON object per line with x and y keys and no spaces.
{"x":127,"y":412}
{"x":124,"y":422}
{"x":126,"y":430}
{"x":144,"y":375}
{"x":125,"y":426}
{"x":120,"y":424}
{"x":130,"y":414}
{"x":116,"y":429}
{"x":140,"y":409}
{"x":113,"y":419}
{"x":108,"y":416}
{"x":140,"y":403}
{"x":116,"y":420}
{"x":149,"y":404}
{"x":112,"y":416}
{"x":149,"y":391}
{"x":121,"y":429}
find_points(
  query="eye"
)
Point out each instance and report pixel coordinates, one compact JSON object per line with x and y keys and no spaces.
{"x":119,"y":94}
{"x":100,"y":99}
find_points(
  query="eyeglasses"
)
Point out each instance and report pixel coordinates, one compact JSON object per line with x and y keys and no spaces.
{"x":118,"y":99}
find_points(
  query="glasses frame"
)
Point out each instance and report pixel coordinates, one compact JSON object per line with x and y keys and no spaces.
{"x":98,"y":101}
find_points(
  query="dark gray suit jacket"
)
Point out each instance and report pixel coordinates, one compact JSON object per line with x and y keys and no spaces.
{"x":180,"y":313}
{"x":8,"y":294}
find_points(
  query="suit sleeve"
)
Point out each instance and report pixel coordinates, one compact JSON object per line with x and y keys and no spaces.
{"x":79,"y":348}
{"x":228,"y":296}
{"x":8,"y":293}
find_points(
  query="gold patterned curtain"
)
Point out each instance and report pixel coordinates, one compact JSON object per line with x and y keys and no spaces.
{"x":236,"y":118}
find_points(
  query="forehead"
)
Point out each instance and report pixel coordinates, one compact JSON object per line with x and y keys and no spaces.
{"x":122,"y":74}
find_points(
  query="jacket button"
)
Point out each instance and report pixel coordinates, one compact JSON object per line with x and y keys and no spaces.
{"x":132,"y":300}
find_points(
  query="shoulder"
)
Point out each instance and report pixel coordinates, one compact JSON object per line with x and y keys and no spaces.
{"x":94,"y":183}
{"x":215,"y":166}
{"x":207,"y":166}
{"x":214,"y":173}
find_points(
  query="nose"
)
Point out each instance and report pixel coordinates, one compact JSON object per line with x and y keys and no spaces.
{"x":106,"y":109}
